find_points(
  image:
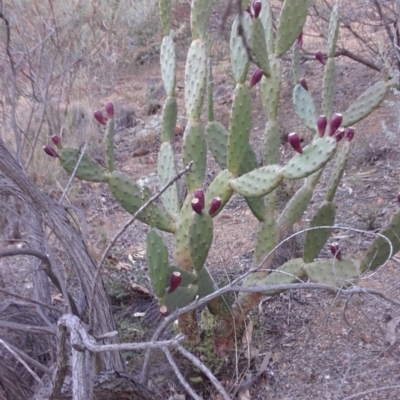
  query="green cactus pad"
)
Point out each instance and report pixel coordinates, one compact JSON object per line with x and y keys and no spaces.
{"x":296,"y":69}
{"x":268,"y":24}
{"x":267,"y":236}
{"x":328,"y":88}
{"x":333,"y":31}
{"x":332,"y":272}
{"x":305,"y":107}
{"x":239,"y":58}
{"x":290,"y":272}
{"x":217,"y":139}
{"x":259,"y":46}
{"x":157,"y":261}
{"x":220,"y":187}
{"x":168,"y":65}
{"x":194,"y":149}
{"x":379,"y":250}
{"x":271,"y":87}
{"x":295,"y":208}
{"x":316,"y":239}
{"x":195,"y":79}
{"x":250,"y":163}
{"x":200,"y":239}
{"x":169,"y":116}
{"x":365,"y":104}
{"x":271,"y":143}
{"x":259,"y":182}
{"x":110,"y":144}
{"x":291,"y":21}
{"x":199,"y":17}
{"x":239,"y":127}
{"x":179,"y":298}
{"x":131,"y":197}
{"x":88,"y":170}
{"x":164,"y":7}
{"x":314,"y":157}
{"x":210,"y":92}
{"x":187,"y":277}
{"x":338,"y":170}
{"x":166,"y":171}
{"x":219,"y":306}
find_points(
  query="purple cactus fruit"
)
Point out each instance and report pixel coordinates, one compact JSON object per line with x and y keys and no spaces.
{"x":336,"y":120}
{"x":175,"y":281}
{"x":335,"y":250}
{"x":199,"y":195}
{"x":256,"y":8}
{"x":349,"y":133}
{"x":214,"y":206}
{"x":398,"y":197}
{"x":197,"y":207}
{"x":339,"y":134}
{"x":299,"y":40}
{"x":50,"y":151}
{"x":56,"y":140}
{"x":320,"y":57}
{"x":100,"y":117}
{"x":164,"y":311}
{"x":303,"y":83}
{"x":294,"y":141}
{"x":322,"y":121}
{"x":255,"y":78}
{"x":110,"y":110}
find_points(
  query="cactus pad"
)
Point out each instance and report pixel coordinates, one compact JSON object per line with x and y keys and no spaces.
{"x":157,"y":261}
{"x":271,"y":88}
{"x":217,"y":139}
{"x":316,"y":239}
{"x":164,"y":7}
{"x":267,"y":236}
{"x":88,"y":170}
{"x":332,"y":272}
{"x":180,"y":297}
{"x":328,"y":87}
{"x":259,"y":182}
{"x":259,"y":46}
{"x":268,"y":24}
{"x":169,"y":116}
{"x":187,"y":277}
{"x":304,"y":106}
{"x":221,"y":188}
{"x":365,"y":104}
{"x":168,"y":65}
{"x":314,"y":157}
{"x":200,"y":239}
{"x":333,"y":31}
{"x":199,"y":16}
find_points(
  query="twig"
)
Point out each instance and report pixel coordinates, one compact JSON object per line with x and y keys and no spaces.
{"x":205,"y":370}
{"x":60,"y":370}
{"x":378,"y":389}
{"x":39,"y":303}
{"x":82,"y":153}
{"x":178,"y":373}
{"x":14,"y":326}
{"x":124,"y":228}
{"x":49,"y":272}
{"x":33,"y":373}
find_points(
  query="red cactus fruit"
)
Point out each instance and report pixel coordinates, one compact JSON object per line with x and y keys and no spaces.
{"x":197,"y":207}
{"x":322,"y":121}
{"x":110,"y":110}
{"x":56,"y":140}
{"x":336,"y":120}
{"x":215,"y":205}
{"x":100,"y":117}
{"x":339,"y":134}
{"x":349,"y":133}
{"x":299,"y":40}
{"x":199,"y":195}
{"x":294,"y":141}
{"x":256,"y":8}
{"x":50,"y":151}
{"x":255,"y":78}
{"x":335,"y":250}
{"x":320,"y":57}
{"x":303,"y":83}
{"x":175,"y":281}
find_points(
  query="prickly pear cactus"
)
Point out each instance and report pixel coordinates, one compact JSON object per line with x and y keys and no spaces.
{"x":180,"y":277}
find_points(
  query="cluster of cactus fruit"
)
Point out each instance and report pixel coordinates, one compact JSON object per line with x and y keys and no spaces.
{"x":179,"y":279}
